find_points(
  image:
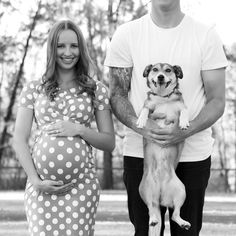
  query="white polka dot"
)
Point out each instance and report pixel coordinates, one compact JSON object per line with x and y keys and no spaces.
{"x":44,"y":158}
{"x":89,"y":192}
{"x":82,"y":198}
{"x":75,"y":227}
{"x":54,"y":209}
{"x":68,"y":220}
{"x":42,"y":234}
{"x":68,"y":232}
{"x":61,"y":226}
{"x":81,"y":186}
{"x":51,"y":150}
{"x":61,"y":143}
{"x":40,"y":198}
{"x":53,"y":177}
{"x":67,"y":177}
{"x":45,"y":171}
{"x":74,"y":191}
{"x":48,"y":227}
{"x":82,"y":209}
{"x":81,"y":107}
{"x":54,"y":221}
{"x":69,"y":150}
{"x":40,"y":210}
{"x":55,"y":233}
{"x":34,"y":205}
{"x":72,"y":108}
{"x":76,"y":170}
{"x":61,"y":214}
{"x":51,"y":164}
{"x":77,"y":158}
{"x":79,"y":115}
{"x":76,"y":203}
{"x":68,"y":164}
{"x":48,"y":215}
{"x":60,"y":157}
{"x":75,"y":215}
{"x":89,"y":204}
{"x":67,"y":197}
{"x":61,"y":203}
{"x":68,"y":209}
{"x":60,"y":171}
{"x":41,"y":222}
{"x":54,"y":197}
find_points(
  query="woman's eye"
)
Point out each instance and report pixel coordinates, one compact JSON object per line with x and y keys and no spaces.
{"x":60,"y":46}
{"x":74,"y":46}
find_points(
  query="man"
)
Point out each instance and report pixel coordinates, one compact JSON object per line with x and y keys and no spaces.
{"x":167,"y":35}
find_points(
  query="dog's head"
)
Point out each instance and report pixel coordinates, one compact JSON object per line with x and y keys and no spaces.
{"x":162,"y":78}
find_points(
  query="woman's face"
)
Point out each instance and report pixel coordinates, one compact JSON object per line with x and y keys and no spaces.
{"x":67,"y":50}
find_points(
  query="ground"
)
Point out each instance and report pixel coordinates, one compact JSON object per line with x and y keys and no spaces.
{"x":112,"y":218}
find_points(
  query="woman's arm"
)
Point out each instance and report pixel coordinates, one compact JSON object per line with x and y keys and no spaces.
{"x":22,"y":131}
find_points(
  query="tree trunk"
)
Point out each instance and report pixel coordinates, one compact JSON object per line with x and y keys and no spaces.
{"x":8,"y":116}
{"x":107,"y":180}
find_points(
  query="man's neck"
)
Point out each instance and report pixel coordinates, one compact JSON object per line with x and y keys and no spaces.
{"x":167,"y":19}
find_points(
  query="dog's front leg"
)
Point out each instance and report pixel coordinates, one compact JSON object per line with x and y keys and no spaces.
{"x":183,"y":119}
{"x":142,"y":119}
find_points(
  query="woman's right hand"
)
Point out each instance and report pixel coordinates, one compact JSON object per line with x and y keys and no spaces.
{"x":53,"y":187}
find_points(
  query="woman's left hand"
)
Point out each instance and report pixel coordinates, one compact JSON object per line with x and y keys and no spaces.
{"x":64,"y":128}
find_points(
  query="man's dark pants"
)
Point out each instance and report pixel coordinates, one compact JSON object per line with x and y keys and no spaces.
{"x":194,"y":175}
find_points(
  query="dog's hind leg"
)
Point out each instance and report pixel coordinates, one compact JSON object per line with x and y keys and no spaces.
{"x":178,"y":201}
{"x":146,"y":190}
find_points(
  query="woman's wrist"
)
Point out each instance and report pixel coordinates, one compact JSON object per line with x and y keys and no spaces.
{"x":81,"y":130}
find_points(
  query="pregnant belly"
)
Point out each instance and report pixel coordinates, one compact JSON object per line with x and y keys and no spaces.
{"x":62,"y":158}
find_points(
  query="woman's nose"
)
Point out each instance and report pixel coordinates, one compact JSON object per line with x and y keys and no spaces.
{"x":67,"y":51}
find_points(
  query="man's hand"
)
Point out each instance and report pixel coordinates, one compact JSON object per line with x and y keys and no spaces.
{"x":167,"y":136}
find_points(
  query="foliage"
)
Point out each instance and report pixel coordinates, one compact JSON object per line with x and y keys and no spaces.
{"x":98,"y":20}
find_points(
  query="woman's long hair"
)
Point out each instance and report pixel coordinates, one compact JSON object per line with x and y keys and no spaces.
{"x":82,"y":67}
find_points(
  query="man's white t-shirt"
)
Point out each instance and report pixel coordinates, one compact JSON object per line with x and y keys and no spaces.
{"x":191,"y":45}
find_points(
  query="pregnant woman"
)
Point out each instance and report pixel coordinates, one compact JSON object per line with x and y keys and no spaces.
{"x":62,"y":190}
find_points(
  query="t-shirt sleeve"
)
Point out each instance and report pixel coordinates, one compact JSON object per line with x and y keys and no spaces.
{"x":28,"y":95}
{"x":213,"y":56}
{"x":101,"y":101}
{"x":118,"y":53}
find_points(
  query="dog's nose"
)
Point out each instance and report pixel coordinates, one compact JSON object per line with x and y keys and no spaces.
{"x":161,"y":78}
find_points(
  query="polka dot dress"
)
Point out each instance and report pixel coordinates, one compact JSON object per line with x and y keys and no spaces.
{"x":68,"y":159}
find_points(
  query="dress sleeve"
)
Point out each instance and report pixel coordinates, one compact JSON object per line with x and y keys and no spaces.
{"x":101,"y":101}
{"x":28,"y":95}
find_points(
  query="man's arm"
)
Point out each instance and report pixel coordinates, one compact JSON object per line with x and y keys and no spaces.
{"x":214,"y":86}
{"x":120,"y":79}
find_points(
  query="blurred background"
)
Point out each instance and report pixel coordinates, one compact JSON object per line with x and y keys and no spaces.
{"x":24,"y":27}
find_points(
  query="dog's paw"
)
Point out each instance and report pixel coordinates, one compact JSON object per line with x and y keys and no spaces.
{"x":141,"y":122}
{"x":183,"y":119}
{"x":183,"y":124}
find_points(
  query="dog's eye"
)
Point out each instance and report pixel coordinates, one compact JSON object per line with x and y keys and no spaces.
{"x":155,"y":69}
{"x":168,"y":70}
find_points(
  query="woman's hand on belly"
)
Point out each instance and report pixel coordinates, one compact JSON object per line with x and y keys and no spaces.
{"x":64,"y":128}
{"x":53,"y":187}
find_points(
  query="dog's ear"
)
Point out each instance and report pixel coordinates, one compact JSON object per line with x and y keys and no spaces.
{"x":147,"y":70}
{"x":178,"y":72}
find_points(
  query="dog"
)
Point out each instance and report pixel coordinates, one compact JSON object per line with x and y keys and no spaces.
{"x":159,"y":184}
